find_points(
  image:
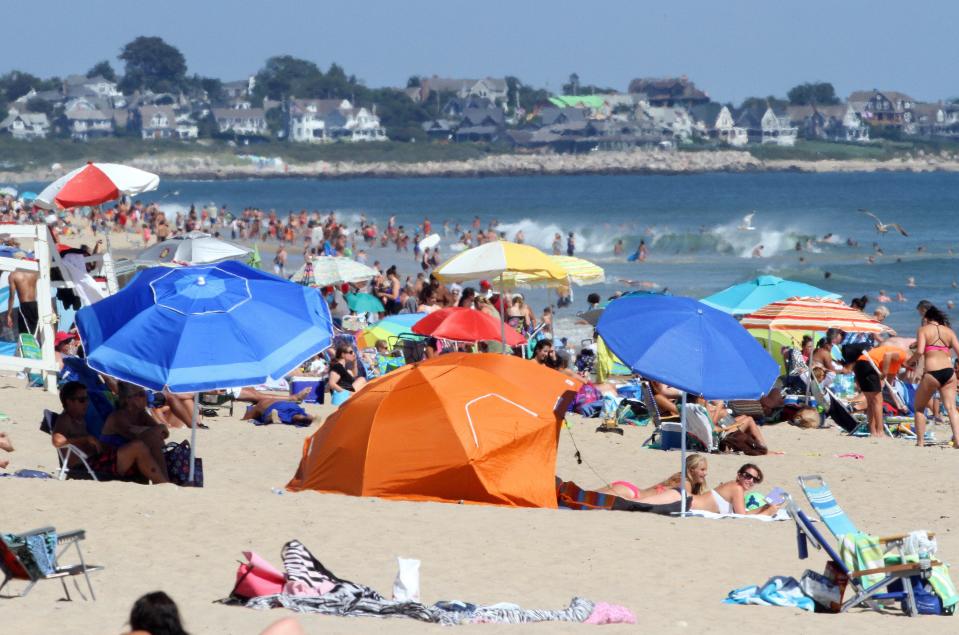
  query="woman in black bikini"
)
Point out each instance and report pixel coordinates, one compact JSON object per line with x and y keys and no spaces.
{"x":935,"y":341}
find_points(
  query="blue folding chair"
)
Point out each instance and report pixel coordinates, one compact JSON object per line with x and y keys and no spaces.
{"x":896,"y":582}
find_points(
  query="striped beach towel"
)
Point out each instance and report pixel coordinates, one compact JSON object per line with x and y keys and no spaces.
{"x":569,"y":495}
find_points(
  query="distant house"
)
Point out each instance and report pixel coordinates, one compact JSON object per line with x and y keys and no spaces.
{"x":83,"y":86}
{"x":882,"y":108}
{"x":439,"y":129}
{"x":830,"y":123}
{"x":726,"y":130}
{"x":157,"y":122}
{"x":186,"y":127}
{"x":673,"y":122}
{"x":668,"y":92}
{"x":243,"y":122}
{"x":777,"y":129}
{"x":552,"y":116}
{"x":492,"y":88}
{"x":481,"y":124}
{"x":928,"y":120}
{"x":456,"y":106}
{"x":28,"y":125}
{"x":87,"y":119}
{"x":325,"y":120}
{"x":239,"y":89}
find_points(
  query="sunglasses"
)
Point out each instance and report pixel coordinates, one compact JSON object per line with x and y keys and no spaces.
{"x":750,"y":476}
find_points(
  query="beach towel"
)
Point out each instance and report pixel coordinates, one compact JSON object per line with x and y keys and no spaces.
{"x":778,"y":516}
{"x":37,"y":552}
{"x":328,"y":594}
{"x":569,"y":495}
{"x":863,"y":551}
{"x":778,"y":591}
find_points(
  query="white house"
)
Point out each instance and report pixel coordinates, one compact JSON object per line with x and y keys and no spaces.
{"x":672,"y":120}
{"x":186,"y":128}
{"x":325,"y":120}
{"x":28,"y":125}
{"x":157,"y":122}
{"x":80,"y":85}
{"x":87,"y":121}
{"x":241,"y":121}
{"x":492,"y":88}
{"x":854,"y":127}
{"x":777,"y":129}
{"x":727,"y":131}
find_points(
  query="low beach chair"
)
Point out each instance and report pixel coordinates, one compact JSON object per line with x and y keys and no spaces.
{"x":64,"y":453}
{"x":897,"y":576}
{"x":16,"y":565}
{"x":699,"y":426}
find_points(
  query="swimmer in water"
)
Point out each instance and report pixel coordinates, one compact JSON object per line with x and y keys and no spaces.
{"x":911,"y":282}
{"x":950,"y":305}
{"x":802,"y":259}
{"x":871,"y":260}
{"x":758,"y":251}
{"x":827,"y":275}
{"x":920,"y":249}
{"x":883,"y":297}
{"x":954,"y":284}
{"x":900,"y":297}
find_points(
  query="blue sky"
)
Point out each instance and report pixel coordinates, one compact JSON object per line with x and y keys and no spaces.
{"x":731,"y":49}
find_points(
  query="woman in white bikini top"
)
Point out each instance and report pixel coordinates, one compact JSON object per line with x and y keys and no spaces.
{"x":728,"y":497}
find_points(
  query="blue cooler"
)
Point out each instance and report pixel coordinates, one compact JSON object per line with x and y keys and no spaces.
{"x":671,"y":435}
{"x":315,"y":384}
{"x":339,"y":396}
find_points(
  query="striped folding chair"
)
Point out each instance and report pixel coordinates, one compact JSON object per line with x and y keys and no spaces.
{"x":824,"y":504}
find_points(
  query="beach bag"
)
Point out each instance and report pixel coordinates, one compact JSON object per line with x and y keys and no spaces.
{"x":825,"y":592}
{"x":256,"y":578}
{"x":587,"y":395}
{"x":739,"y":441}
{"x":927,"y":602}
{"x":177,"y":456}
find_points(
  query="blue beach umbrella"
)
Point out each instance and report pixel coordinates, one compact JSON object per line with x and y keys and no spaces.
{"x":683,"y":343}
{"x":364,"y":303}
{"x":754,"y":294}
{"x":204,"y":327}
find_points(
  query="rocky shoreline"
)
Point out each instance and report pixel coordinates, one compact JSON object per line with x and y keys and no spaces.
{"x":629,"y":162}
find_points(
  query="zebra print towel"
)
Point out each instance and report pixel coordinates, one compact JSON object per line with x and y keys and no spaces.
{"x":325,"y":593}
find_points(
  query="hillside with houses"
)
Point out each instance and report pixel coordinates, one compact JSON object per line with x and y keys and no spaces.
{"x":293,"y":101}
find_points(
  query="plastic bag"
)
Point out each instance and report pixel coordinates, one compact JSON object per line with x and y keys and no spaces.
{"x":406,"y":587}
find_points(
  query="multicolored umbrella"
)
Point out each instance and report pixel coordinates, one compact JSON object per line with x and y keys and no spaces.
{"x":96,"y":183}
{"x":811,"y":314}
{"x":388,"y":328}
{"x":494,"y":259}
{"x":754,"y":294}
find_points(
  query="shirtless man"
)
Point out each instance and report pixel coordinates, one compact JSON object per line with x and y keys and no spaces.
{"x":132,"y":422}
{"x":70,"y":428}
{"x":24,"y":285}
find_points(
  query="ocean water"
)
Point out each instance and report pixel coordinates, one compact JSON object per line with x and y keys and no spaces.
{"x":689,"y":222}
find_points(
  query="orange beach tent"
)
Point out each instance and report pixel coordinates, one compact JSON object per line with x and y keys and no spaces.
{"x":479,"y":428}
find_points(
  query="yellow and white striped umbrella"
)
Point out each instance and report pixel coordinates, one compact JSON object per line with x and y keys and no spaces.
{"x":579,"y":271}
{"x":500,"y":258}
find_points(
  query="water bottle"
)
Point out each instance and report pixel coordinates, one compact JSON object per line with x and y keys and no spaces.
{"x":925,"y":566}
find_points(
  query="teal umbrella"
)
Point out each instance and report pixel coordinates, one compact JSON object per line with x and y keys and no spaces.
{"x":364,"y":303}
{"x":754,"y":294}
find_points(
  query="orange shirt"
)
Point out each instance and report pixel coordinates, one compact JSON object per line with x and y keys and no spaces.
{"x":877,"y":354}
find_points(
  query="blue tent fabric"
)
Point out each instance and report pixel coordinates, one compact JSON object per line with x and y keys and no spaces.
{"x":683,"y":343}
{"x":204,"y":327}
{"x":754,"y":294}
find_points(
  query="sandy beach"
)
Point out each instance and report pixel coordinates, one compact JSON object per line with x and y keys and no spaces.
{"x":671,"y":573}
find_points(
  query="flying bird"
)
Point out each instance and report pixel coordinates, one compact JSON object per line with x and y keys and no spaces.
{"x":882,"y":227}
{"x":747,"y":224}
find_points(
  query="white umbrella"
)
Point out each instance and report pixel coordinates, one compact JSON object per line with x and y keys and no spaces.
{"x":8,"y":191}
{"x":327,"y":270}
{"x":194,"y":248}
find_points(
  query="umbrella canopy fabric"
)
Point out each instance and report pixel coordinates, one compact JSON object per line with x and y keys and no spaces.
{"x":205,"y":327}
{"x":96,"y":183}
{"x":481,"y":428}
{"x":465,"y":325}
{"x":194,"y":248}
{"x":430,"y":241}
{"x":578,"y":271}
{"x":326,"y":270}
{"x":364,"y":303}
{"x":688,"y":345}
{"x":492,"y":259}
{"x":811,"y":314}
{"x":389,"y":327}
{"x":754,"y":294}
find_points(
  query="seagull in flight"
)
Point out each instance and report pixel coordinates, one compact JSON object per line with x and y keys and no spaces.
{"x":882,"y":227}
{"x":747,"y":224}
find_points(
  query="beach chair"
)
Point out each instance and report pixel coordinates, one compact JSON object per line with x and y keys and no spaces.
{"x":895,"y":583}
{"x":64,"y":453}
{"x":658,"y":420}
{"x":30,"y":349}
{"x":217,"y":401}
{"x":16,"y":566}
{"x":699,"y":426}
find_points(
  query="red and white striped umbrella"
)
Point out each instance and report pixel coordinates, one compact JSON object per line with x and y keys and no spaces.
{"x":96,"y":183}
{"x":811,"y":314}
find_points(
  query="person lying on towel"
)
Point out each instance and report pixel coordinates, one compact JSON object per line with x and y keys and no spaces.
{"x":273,"y":410}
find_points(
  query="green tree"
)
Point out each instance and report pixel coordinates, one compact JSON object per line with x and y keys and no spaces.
{"x":572,"y":86}
{"x":104,"y":70}
{"x":527,"y":96}
{"x":276,"y":121}
{"x":413,"y":81}
{"x":285,"y":75}
{"x":821,"y":93}
{"x":152,"y":64}
{"x":759,"y":104}
{"x":35,"y":104}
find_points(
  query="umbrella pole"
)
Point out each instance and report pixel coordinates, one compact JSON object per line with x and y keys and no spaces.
{"x":682,"y":468}
{"x":502,"y":312}
{"x":196,"y":417}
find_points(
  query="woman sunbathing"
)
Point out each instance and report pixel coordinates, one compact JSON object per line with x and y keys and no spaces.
{"x":696,"y":468}
{"x":728,"y":497}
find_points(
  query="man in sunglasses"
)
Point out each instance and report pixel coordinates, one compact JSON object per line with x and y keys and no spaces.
{"x":70,"y":428}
